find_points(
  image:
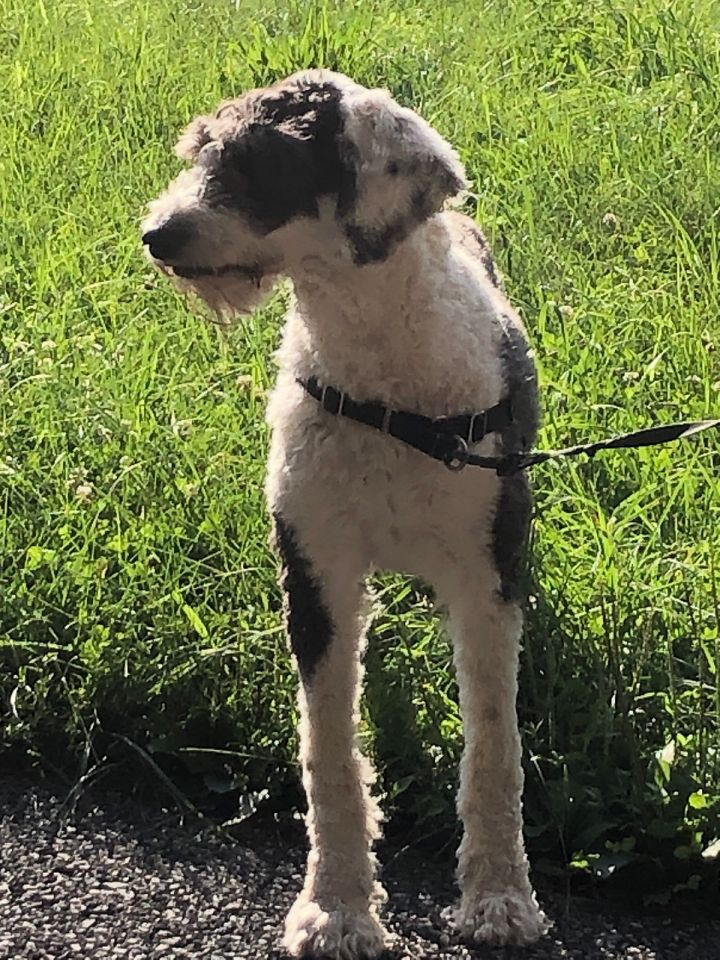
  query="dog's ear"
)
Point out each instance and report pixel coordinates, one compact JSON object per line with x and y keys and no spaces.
{"x":398,"y":172}
{"x":193,"y":138}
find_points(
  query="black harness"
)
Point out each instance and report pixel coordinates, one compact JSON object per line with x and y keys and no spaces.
{"x":448,"y":439}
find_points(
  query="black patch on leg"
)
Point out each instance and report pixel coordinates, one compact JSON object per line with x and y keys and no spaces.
{"x":514,"y":507}
{"x":308,"y":621}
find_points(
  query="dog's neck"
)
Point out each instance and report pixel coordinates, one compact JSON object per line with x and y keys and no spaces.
{"x":367,"y":328}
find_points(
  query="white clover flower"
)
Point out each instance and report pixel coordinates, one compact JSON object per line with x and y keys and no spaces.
{"x":84,"y":492}
{"x":611,"y":221}
{"x":181,"y":428}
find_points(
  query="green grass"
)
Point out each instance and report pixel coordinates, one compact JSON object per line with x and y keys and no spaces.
{"x":138,"y":602}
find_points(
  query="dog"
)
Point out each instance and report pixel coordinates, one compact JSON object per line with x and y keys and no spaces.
{"x":399,"y":330}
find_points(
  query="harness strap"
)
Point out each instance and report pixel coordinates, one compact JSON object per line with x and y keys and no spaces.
{"x":447,"y":438}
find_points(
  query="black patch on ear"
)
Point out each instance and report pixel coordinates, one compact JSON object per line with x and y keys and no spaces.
{"x":421,"y":205}
{"x":372,"y":245}
{"x":513,"y":514}
{"x":286,"y":157}
{"x":309,"y":625}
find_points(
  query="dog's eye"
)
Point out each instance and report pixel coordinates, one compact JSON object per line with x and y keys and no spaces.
{"x":234,"y":181}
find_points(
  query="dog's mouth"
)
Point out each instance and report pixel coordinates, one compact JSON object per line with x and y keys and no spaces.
{"x":253,"y":271}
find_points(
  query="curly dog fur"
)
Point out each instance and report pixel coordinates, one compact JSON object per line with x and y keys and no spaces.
{"x":396,"y":301}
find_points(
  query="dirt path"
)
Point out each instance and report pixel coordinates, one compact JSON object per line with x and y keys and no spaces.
{"x":122,"y":884}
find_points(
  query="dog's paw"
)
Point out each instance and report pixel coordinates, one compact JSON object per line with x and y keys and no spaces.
{"x":334,"y":934}
{"x":501,"y":918}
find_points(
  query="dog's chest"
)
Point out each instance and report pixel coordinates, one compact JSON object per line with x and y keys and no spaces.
{"x":418,"y":510}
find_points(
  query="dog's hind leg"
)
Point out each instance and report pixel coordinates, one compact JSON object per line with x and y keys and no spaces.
{"x":497,"y":904}
{"x":335,"y":916}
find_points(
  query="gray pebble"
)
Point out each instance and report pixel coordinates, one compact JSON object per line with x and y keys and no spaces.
{"x":125,"y":884}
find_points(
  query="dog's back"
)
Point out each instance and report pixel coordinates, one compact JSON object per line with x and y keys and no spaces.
{"x":468,"y":234}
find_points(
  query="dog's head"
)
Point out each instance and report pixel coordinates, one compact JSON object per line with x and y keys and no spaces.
{"x":269,"y":167}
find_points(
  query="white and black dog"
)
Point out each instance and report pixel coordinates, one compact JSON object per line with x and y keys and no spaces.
{"x":399,"y":322}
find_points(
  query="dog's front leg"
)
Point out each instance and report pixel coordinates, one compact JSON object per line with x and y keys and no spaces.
{"x":498,"y":904}
{"x":335,"y":916}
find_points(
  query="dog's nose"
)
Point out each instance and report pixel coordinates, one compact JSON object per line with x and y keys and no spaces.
{"x":166,"y":242}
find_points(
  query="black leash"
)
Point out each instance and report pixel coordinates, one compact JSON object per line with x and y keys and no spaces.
{"x":651,"y":437}
{"x":448,"y":439}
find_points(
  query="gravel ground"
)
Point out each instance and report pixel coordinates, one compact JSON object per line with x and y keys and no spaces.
{"x":126,"y":884}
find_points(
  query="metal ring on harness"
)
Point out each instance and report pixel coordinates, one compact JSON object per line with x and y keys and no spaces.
{"x":457,"y":459}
